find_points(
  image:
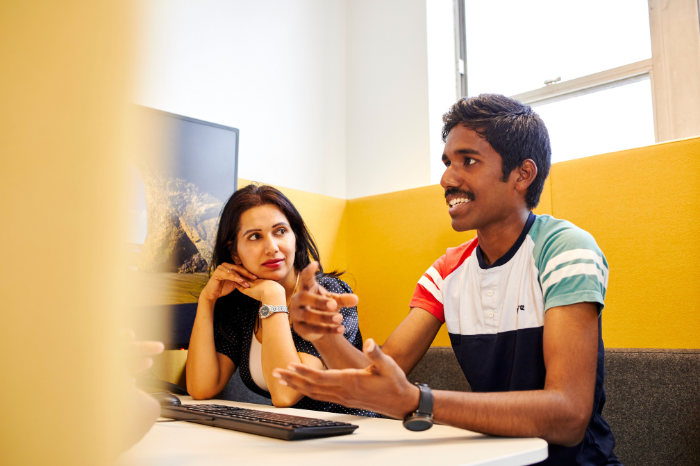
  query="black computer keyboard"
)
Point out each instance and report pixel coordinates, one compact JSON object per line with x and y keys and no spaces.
{"x":282,"y":426}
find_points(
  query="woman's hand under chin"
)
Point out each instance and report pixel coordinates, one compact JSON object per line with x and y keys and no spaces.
{"x":226,"y":278}
{"x":266,"y":291}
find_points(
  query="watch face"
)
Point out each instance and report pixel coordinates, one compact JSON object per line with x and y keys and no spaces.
{"x":264,"y":311}
{"x":418,"y":423}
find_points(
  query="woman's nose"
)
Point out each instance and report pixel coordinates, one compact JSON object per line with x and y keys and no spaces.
{"x":271,"y":245}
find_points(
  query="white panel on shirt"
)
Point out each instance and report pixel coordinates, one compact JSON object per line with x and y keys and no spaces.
{"x":479,"y":302}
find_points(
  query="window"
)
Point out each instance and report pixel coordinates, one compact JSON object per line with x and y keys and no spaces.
{"x":597,"y":72}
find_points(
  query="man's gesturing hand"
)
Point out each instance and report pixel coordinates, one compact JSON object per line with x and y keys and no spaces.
{"x":314,"y":310}
{"x":381,"y":387}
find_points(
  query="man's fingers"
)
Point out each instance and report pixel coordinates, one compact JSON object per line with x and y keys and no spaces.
{"x":379,"y":360}
{"x":314,"y":317}
{"x":308,"y":388}
{"x":140,"y":365}
{"x":145,"y":348}
{"x":308,"y":276}
{"x":305,"y":328}
{"x":345,"y":299}
{"x":316,"y":301}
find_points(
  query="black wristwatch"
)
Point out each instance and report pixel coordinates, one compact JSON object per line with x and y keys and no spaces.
{"x":422,"y":418}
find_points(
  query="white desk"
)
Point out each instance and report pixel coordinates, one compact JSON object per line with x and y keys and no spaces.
{"x":376,"y":442}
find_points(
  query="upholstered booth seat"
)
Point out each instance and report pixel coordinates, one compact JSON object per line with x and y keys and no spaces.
{"x":653,"y":400}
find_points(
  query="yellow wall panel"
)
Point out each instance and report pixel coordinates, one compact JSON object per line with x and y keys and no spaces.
{"x":643,"y":208}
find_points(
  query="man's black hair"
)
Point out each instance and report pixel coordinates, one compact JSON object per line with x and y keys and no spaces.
{"x":513,"y":129}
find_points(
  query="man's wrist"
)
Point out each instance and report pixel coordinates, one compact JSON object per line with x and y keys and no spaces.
{"x":409,"y":401}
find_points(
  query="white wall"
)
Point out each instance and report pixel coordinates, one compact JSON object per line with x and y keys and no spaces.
{"x":334,"y":97}
{"x":442,"y":80}
{"x":387,"y":96}
{"x":273,"y":69}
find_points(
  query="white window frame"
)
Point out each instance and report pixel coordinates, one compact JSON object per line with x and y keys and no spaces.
{"x":674,"y":70}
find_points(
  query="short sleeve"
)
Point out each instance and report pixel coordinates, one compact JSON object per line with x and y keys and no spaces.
{"x":428,"y":292}
{"x":350,"y":320}
{"x":227,"y":338}
{"x":572,"y":268}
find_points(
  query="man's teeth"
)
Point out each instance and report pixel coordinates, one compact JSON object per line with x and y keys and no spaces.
{"x":455,"y":202}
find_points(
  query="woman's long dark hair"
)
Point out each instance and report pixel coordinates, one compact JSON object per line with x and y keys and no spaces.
{"x":254,"y":196}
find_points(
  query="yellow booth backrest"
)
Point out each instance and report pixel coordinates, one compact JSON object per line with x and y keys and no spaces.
{"x":641,"y":205}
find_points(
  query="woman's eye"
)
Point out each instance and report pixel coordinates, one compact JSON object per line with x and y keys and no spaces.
{"x":281,"y":231}
{"x":253,"y":237}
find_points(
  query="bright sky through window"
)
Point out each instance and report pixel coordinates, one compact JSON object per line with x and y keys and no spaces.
{"x":513,"y":46}
{"x":606,"y":121}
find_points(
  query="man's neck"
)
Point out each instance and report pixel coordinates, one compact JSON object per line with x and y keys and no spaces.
{"x":497,"y":239}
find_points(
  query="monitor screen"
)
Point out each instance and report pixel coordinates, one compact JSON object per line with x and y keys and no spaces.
{"x":181,"y":173}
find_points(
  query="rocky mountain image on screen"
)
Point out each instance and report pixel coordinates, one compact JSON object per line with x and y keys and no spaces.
{"x":181,"y":224}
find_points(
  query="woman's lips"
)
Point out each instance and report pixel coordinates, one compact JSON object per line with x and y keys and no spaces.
{"x":273,"y":264}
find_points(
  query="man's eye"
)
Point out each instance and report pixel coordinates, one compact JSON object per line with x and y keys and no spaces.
{"x":469,"y":161}
{"x":447,"y":163}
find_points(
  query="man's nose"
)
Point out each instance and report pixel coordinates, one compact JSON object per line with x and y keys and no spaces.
{"x":448,"y":180}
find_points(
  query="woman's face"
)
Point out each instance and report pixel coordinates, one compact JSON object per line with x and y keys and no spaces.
{"x":266,"y":243}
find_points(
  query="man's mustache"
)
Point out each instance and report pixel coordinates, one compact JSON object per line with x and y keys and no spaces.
{"x":459,"y":192}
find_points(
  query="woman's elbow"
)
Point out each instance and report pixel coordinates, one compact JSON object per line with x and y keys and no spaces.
{"x":199,"y":393}
{"x":284,"y":400}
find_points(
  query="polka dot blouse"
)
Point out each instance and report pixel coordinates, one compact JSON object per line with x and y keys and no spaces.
{"x":234,"y":322}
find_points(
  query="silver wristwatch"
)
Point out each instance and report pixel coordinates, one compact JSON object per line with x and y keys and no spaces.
{"x":266,"y":310}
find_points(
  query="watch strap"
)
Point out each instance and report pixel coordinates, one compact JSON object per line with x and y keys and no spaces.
{"x":425,"y":403}
{"x":272,"y":310}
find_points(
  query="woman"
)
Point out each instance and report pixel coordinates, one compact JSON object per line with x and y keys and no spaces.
{"x":242,"y":320}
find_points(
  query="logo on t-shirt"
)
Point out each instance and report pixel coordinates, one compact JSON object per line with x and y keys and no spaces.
{"x":520,"y":307}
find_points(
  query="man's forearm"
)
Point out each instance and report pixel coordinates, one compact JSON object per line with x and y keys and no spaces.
{"x":338,"y":353}
{"x":547,"y":414}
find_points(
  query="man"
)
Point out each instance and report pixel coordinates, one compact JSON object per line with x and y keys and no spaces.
{"x":522,"y":304}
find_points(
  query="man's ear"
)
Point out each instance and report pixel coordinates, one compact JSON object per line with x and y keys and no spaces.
{"x":525,"y":174}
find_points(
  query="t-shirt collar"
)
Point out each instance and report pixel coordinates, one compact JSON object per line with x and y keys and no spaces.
{"x":511,"y":252}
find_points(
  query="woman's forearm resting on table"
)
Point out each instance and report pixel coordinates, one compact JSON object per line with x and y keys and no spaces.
{"x":205,"y":375}
{"x":278,"y":350}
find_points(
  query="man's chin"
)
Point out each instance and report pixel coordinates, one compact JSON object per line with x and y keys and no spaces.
{"x":462,"y":224}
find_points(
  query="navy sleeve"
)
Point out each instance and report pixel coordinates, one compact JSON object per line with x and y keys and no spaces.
{"x":227,"y":339}
{"x":350,"y":320}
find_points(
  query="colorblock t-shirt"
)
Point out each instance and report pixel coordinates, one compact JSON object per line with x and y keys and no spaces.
{"x":495,"y":314}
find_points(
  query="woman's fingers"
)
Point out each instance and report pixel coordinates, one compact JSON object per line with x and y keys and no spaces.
{"x":226,"y":272}
{"x":239,"y":269}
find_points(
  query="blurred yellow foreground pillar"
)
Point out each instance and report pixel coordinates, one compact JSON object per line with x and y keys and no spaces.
{"x":64,"y":76}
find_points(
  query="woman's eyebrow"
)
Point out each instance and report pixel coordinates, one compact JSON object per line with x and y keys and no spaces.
{"x":258,"y":229}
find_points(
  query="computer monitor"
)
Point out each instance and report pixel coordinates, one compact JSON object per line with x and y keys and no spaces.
{"x":182,"y":172}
